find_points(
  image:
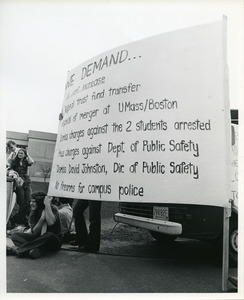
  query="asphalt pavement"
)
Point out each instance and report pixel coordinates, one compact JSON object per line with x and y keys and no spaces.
{"x":129,"y":261}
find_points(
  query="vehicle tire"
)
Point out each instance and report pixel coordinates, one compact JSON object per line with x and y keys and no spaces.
{"x":233,"y":243}
{"x":162,"y":238}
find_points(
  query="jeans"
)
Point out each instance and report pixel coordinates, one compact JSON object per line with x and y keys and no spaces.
{"x":23,"y":196}
{"x":28,"y":241}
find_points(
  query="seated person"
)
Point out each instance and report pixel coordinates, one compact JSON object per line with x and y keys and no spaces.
{"x":66,"y":217}
{"x":45,"y":229}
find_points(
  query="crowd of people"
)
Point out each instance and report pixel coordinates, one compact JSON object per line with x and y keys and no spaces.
{"x":42,"y":222}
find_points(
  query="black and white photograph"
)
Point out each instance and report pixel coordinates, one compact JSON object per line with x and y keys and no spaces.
{"x":122,"y":126}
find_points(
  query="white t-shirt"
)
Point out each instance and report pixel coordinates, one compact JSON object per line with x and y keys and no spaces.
{"x":12,"y":155}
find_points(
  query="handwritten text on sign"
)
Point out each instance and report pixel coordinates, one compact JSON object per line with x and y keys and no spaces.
{"x":147,"y":122}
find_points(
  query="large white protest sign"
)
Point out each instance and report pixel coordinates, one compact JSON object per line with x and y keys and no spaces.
{"x":148,"y":122}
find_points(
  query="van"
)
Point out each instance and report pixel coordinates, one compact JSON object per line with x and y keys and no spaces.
{"x":167,"y":221}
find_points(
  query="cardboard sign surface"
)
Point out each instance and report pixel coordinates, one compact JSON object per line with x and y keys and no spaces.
{"x":148,"y":122}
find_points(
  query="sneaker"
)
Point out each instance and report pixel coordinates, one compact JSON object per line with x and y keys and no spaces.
{"x":74,"y":243}
{"x":11,"y":251}
{"x":88,"y":249}
{"x":35,"y":253}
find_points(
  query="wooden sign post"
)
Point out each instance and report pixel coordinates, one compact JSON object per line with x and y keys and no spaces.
{"x":225,"y":264}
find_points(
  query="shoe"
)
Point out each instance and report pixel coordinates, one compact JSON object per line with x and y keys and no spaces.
{"x":74,"y":243}
{"x":35,"y":253}
{"x":82,"y":245}
{"x":87,"y":249}
{"x":11,"y":251}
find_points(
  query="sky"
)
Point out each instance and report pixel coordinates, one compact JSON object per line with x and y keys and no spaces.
{"x":42,"y":40}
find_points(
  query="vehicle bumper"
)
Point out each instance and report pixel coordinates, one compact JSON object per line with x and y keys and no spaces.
{"x":166,"y":227}
{"x":235,"y":209}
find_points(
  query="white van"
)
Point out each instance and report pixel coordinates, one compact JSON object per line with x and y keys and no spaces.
{"x":167,"y":221}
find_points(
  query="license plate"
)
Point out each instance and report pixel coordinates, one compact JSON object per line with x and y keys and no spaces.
{"x":161,"y":213}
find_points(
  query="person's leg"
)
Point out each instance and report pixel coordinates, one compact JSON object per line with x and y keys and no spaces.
{"x":51,"y":242}
{"x":48,"y":241}
{"x":20,"y":238}
{"x":28,"y":192}
{"x":80,"y":223}
{"x":93,"y":242}
{"x":21,"y":216}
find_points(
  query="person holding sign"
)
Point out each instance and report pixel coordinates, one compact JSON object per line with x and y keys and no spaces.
{"x":87,"y":242}
{"x":45,"y":229}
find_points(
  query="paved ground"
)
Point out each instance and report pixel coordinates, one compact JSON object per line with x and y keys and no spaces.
{"x":129,"y":261}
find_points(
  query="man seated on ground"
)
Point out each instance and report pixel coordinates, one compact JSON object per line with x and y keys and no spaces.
{"x":45,"y":229}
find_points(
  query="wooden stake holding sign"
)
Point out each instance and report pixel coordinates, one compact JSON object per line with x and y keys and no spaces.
{"x":226,"y":277}
{"x":225,"y":262}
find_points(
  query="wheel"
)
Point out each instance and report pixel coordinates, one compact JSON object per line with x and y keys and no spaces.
{"x":233,"y":246}
{"x":233,"y":241}
{"x":162,"y":238}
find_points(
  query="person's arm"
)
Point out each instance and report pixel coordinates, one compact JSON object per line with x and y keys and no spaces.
{"x":29,"y":159}
{"x":38,"y":227}
{"x":10,"y":158}
{"x":50,"y":217}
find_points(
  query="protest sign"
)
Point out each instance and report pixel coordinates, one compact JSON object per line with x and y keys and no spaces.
{"x":148,"y":122}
